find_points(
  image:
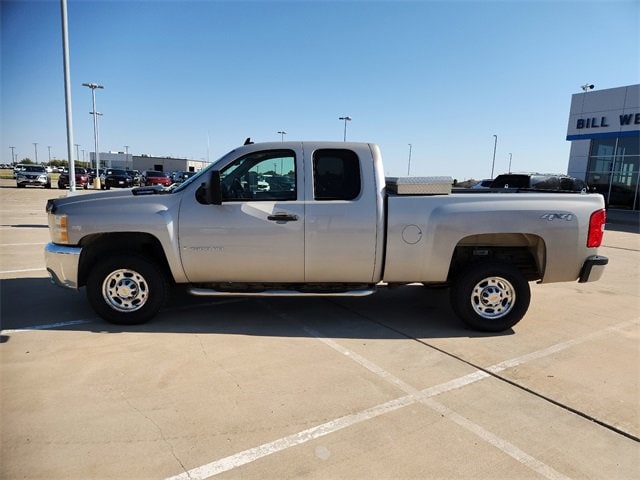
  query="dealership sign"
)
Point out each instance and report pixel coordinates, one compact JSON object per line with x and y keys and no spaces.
{"x":595,"y":122}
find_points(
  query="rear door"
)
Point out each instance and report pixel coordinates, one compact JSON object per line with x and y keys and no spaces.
{"x":341,"y":216}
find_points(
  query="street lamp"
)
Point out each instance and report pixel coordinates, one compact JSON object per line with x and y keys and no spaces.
{"x":13,"y":159}
{"x":126,"y":157}
{"x":93,"y":86}
{"x":49,"y":147}
{"x":346,"y":119}
{"x":495,"y":144}
{"x":510,"y":156}
{"x":77,"y":152}
{"x":282,"y":134}
{"x":35,"y":146}
{"x":409,"y":167}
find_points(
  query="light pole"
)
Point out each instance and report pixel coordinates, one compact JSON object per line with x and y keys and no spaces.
{"x":495,"y":144}
{"x":77,"y":152}
{"x":13,"y":159}
{"x":49,"y":147}
{"x":510,"y":157}
{"x":126,"y":156}
{"x":409,"y":167}
{"x":346,"y":119}
{"x":93,"y":86}
{"x":35,"y":146}
{"x":282,"y":134}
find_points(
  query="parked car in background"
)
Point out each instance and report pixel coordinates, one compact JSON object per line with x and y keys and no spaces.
{"x":486,"y":183}
{"x":136,"y":177}
{"x":17,"y":168}
{"x":33,"y":175}
{"x":154,"y":177}
{"x":179,"y":177}
{"x":92,"y":174}
{"x":115,"y":177}
{"x":539,"y":181}
{"x":82,"y":179}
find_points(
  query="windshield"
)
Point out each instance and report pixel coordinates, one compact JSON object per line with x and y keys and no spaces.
{"x":190,"y":180}
{"x":34,"y":168}
{"x":116,"y":172}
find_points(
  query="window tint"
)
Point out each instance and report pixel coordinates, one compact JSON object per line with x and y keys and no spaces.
{"x":265,"y":175}
{"x":336,"y":174}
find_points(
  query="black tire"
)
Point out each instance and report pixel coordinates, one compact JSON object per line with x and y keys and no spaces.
{"x":490,"y":296}
{"x":60,"y":186}
{"x":127,"y":289}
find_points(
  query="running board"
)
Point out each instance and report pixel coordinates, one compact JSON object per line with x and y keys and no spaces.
{"x":206,"y":292}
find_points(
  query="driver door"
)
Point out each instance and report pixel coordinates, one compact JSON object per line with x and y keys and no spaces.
{"x":257,"y":234}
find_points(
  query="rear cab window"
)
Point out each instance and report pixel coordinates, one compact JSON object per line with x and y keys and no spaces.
{"x":336,"y":174}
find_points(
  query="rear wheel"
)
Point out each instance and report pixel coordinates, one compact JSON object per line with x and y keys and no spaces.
{"x":490,"y":296}
{"x":127,"y":289}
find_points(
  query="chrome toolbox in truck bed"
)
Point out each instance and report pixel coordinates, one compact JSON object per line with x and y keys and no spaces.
{"x":419,"y":185}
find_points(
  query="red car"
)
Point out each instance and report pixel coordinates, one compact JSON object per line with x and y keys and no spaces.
{"x":82,"y":179}
{"x":153,"y":177}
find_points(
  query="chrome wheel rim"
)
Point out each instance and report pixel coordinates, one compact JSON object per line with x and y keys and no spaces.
{"x":493,"y":297}
{"x":125,"y":290}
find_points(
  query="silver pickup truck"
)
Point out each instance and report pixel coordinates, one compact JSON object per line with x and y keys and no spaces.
{"x":319,"y":218}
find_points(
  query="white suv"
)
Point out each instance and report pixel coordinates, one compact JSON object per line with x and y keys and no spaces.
{"x":35,"y":175}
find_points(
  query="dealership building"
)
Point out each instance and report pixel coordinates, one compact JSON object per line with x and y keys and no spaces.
{"x":604,"y":131}
{"x":128,"y":161}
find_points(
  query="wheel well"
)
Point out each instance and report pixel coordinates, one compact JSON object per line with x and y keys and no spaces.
{"x":525,"y":252}
{"x":96,"y":247}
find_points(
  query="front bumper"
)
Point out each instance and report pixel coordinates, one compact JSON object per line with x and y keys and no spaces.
{"x":32,"y":181}
{"x":593,"y":268}
{"x":62,"y":263}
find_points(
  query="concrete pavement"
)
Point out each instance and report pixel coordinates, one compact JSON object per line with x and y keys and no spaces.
{"x":389,"y":386}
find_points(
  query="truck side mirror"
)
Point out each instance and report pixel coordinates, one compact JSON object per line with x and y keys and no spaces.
{"x":209,"y":192}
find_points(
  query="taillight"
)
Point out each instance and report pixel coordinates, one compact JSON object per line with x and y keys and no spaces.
{"x":596,"y":228}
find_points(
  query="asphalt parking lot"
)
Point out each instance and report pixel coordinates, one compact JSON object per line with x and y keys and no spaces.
{"x":386,"y":387}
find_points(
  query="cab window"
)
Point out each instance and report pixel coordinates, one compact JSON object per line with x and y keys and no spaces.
{"x":266,"y":175}
{"x":336,"y":174}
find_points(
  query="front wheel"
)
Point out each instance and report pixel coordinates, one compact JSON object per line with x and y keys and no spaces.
{"x":490,"y":296}
{"x":127,"y":289}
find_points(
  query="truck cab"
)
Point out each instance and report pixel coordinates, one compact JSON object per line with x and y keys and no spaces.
{"x":305,"y":229}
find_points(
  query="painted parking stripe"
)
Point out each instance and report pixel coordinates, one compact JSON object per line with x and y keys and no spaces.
{"x":253,"y":454}
{"x":24,"y":270}
{"x":424,"y":397}
{"x":48,"y":326}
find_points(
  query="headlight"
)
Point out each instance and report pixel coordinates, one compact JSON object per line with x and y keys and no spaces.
{"x":58,"y":228}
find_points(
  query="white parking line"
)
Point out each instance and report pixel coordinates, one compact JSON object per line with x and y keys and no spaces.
{"x":423,"y":396}
{"x":24,"y":270}
{"x":48,"y":326}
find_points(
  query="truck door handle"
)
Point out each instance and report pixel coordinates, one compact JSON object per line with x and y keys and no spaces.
{"x":282,"y":217}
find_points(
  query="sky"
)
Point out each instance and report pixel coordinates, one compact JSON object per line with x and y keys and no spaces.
{"x":429,"y":81}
